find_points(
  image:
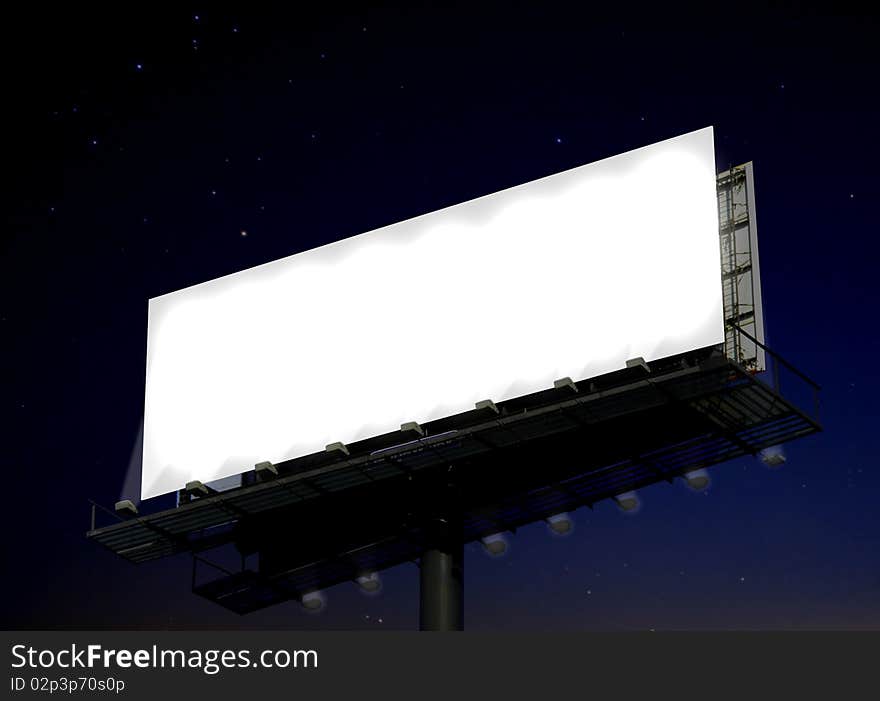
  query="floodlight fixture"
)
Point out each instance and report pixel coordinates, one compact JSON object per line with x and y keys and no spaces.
{"x":697,"y":480}
{"x":337,"y":447}
{"x":125,"y":508}
{"x":628,"y":502}
{"x":560,"y":524}
{"x":638,"y":362}
{"x":313,"y":601}
{"x":197,"y":489}
{"x":369,"y":582}
{"x":412,"y":428}
{"x":265,"y":471}
{"x":773,"y":457}
{"x":486,"y":405}
{"x":565,"y":383}
{"x":495,"y":544}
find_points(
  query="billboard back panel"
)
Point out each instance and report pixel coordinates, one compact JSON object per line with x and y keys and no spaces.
{"x":740,"y":266}
{"x":570,"y":275}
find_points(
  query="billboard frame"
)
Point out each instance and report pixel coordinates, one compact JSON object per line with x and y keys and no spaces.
{"x":740,"y":267}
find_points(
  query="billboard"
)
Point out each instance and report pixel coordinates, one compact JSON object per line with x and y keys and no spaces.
{"x":570,"y":275}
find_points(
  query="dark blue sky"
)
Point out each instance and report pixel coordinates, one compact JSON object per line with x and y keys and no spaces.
{"x":144,"y":144}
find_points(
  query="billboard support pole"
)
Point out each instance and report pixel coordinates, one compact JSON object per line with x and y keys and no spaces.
{"x":441,"y":580}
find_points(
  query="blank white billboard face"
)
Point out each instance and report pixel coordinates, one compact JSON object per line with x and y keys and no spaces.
{"x":566,"y":276}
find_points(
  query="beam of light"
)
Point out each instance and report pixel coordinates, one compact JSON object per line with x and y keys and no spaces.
{"x":131,"y":484}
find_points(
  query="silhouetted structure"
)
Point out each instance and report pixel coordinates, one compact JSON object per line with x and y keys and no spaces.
{"x":420,"y":493}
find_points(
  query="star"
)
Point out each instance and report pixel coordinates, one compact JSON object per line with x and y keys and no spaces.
{"x":243,"y":233}
{"x":558,"y":139}
{"x":139,"y":66}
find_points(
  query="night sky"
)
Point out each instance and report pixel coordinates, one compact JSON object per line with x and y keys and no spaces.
{"x":151,"y":149}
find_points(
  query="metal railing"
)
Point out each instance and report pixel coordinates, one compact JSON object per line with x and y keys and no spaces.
{"x":782,"y":372}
